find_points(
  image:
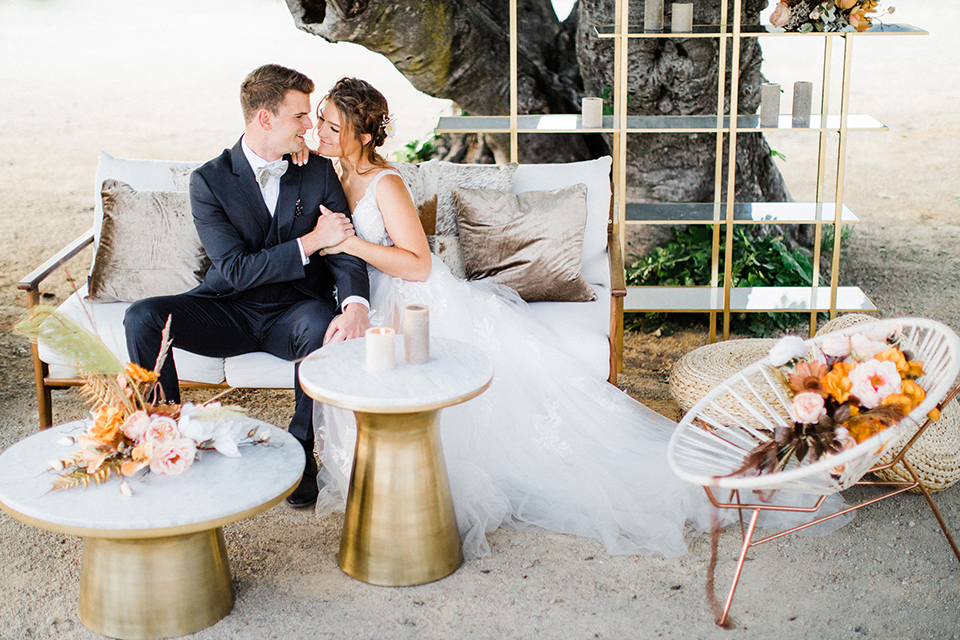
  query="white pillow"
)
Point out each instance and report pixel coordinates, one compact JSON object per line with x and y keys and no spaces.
{"x":159,"y":175}
{"x":596,"y":175}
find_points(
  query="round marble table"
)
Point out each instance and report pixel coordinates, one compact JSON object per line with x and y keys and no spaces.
{"x":154,"y":563}
{"x":399,"y":527}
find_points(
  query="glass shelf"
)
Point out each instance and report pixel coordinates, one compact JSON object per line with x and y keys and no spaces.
{"x":570,"y":123}
{"x":748,"y":299}
{"x":753,"y":30}
{"x":743,"y":213}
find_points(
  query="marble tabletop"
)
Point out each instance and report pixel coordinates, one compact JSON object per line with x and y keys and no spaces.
{"x":216,"y":490}
{"x":337,"y":375}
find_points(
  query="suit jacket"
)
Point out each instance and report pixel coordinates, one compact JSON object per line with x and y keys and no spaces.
{"x":233,"y":223}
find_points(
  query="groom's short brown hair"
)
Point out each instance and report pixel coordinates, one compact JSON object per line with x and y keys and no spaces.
{"x":267,"y":86}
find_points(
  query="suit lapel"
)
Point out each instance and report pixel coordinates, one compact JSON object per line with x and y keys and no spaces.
{"x":247,"y":185}
{"x":290,"y":185}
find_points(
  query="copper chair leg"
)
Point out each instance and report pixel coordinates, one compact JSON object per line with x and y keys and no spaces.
{"x":933,"y":506}
{"x":736,"y":575}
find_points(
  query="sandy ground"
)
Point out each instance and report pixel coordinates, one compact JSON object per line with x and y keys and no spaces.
{"x":152,"y":83}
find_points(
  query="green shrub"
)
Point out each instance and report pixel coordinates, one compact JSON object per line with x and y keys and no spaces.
{"x":758,"y":261}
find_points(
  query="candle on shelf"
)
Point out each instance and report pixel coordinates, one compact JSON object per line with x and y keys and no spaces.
{"x":416,"y":333}
{"x":802,"y":101}
{"x":653,"y":15}
{"x":769,"y":105}
{"x":380,"y":349}
{"x":591,"y":113}
{"x":681,"y":17}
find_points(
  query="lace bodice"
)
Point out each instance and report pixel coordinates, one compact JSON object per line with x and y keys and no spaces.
{"x":367,"y":220}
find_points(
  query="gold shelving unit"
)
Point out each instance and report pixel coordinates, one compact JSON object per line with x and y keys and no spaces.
{"x":723,"y":212}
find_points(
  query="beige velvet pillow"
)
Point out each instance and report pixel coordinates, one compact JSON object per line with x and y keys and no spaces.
{"x":531,"y":242}
{"x":148,"y":245}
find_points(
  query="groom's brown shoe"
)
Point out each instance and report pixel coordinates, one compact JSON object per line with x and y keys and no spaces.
{"x":305,"y":495}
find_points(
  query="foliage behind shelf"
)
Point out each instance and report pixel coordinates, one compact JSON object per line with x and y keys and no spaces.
{"x":759,"y":261}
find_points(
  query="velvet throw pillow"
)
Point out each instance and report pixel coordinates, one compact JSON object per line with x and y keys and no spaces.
{"x":148,"y":245}
{"x":531,"y":242}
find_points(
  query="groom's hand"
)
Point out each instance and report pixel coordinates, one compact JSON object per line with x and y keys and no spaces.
{"x":352,"y":323}
{"x":332,"y":228}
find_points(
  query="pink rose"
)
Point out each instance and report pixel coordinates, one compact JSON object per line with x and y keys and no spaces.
{"x":863,"y":348}
{"x":161,"y":429}
{"x":781,"y":15}
{"x":807,"y":408}
{"x":836,"y":346}
{"x":136,"y":425}
{"x":173,"y":457}
{"x":873,"y":381}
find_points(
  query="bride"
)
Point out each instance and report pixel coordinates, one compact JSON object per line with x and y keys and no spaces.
{"x":545,"y":446}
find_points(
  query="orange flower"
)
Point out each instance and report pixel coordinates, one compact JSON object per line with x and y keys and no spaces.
{"x":106,"y":426}
{"x":846,"y":4}
{"x":837,"y":382}
{"x":934,"y":414}
{"x":865,"y":429}
{"x":139,"y":375}
{"x":139,"y":458}
{"x":808,"y":378}
{"x":913,"y":391}
{"x":903,"y":402}
{"x":914,"y":369}
{"x":858,"y":20}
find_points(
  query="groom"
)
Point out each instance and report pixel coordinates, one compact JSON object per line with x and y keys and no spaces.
{"x":270,"y":287}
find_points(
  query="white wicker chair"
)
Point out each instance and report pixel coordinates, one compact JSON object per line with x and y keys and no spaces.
{"x":712,"y":441}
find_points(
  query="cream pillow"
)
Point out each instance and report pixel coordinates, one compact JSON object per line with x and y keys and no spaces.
{"x":531,"y":242}
{"x":430,"y":184}
{"x":148,"y":245}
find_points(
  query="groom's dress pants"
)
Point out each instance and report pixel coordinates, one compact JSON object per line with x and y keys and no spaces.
{"x":288,"y":329}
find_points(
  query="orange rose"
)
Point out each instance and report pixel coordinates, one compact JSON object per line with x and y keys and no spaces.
{"x":914,"y":369}
{"x":858,"y":20}
{"x":106,"y":426}
{"x":837,"y":383}
{"x":846,"y":4}
{"x":139,"y":458}
{"x":913,"y":391}
{"x":895,"y":356}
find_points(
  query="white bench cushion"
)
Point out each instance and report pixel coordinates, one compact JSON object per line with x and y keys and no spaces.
{"x":583,"y":327}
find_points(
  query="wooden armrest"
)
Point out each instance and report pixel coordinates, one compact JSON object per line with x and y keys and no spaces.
{"x":618,"y":279}
{"x":31,"y":282}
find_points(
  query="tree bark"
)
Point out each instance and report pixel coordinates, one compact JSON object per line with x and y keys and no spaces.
{"x":459,"y":49}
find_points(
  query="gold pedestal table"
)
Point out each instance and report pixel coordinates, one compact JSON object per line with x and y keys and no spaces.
{"x":154,"y":563}
{"x":399,"y":526}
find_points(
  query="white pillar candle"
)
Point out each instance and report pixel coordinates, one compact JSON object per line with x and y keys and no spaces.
{"x":653,"y":15}
{"x":381,"y":354}
{"x":769,"y":105}
{"x":591,"y":113}
{"x":416,"y":333}
{"x":681,"y":17}
{"x":802,"y":103}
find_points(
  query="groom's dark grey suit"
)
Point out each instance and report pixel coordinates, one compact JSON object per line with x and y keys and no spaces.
{"x":257,"y":295}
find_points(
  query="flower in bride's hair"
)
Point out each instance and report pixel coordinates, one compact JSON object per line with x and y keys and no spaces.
{"x":388,"y":127}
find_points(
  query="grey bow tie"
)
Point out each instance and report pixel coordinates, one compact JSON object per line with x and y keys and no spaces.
{"x":277,"y":168}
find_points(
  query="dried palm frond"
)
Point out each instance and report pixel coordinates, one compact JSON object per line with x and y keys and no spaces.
{"x":70,"y":340}
{"x":218,"y":414}
{"x":79,"y":476}
{"x":103,"y":391}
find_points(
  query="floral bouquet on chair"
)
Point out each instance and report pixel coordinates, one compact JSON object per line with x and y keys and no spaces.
{"x":132,"y":429}
{"x":805,"y":16}
{"x":845,"y":390}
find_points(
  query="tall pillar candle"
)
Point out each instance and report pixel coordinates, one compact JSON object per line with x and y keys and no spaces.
{"x":681,"y":17}
{"x":380,"y":349}
{"x":416,"y":333}
{"x":769,"y":105}
{"x":653,"y":15}
{"x":591,"y":113}
{"x":802,"y":103}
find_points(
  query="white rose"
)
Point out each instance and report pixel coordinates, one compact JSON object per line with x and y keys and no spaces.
{"x":787,"y":348}
{"x":836,"y":346}
{"x":863,"y":348}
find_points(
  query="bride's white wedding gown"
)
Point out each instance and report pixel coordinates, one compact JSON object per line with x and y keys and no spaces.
{"x":545,"y":446}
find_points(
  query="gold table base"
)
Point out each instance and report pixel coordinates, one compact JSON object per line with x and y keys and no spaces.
{"x":155,"y":587}
{"x":399,"y":528}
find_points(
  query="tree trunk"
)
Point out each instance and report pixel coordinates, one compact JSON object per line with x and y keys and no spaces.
{"x":459,"y":49}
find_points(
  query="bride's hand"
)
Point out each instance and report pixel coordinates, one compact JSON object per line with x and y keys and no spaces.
{"x":300,"y":157}
{"x":332,"y":228}
{"x":342,"y":247}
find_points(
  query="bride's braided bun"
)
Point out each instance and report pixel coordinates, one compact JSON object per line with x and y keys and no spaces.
{"x":365,"y":111}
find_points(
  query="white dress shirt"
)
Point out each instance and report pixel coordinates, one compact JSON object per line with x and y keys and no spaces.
{"x":271,"y":194}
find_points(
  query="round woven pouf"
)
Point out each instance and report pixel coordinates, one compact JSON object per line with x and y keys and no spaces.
{"x":702,"y":369}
